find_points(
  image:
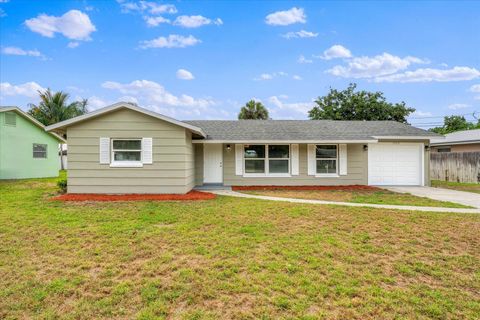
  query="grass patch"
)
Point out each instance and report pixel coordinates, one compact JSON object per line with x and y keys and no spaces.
{"x":469,"y":187}
{"x":231,"y":258}
{"x":381,"y":196}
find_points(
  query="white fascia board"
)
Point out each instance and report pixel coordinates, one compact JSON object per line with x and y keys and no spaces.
{"x":448,"y":143}
{"x":407,"y":137}
{"x":283,"y":141}
{"x":119,"y":105}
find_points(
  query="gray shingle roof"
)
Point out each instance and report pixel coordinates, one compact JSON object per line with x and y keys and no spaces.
{"x":293,"y":130}
{"x":468,"y":136}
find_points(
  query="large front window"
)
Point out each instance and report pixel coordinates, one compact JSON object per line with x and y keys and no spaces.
{"x":127,"y":150}
{"x":326,"y":157}
{"x":267,"y":159}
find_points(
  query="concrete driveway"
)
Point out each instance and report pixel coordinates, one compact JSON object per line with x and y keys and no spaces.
{"x":462,"y":197}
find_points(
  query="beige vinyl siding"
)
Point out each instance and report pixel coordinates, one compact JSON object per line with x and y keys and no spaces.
{"x":189,"y":161}
{"x":198,"y":164}
{"x":172,"y":170}
{"x":356,"y":170}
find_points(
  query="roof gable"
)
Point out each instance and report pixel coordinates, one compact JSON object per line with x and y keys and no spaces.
{"x":129,"y":106}
{"x":31,"y":120}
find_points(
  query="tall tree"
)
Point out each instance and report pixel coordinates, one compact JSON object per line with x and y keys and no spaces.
{"x":455,"y":123}
{"x":349,"y":104}
{"x":53,"y":108}
{"x":253,"y":110}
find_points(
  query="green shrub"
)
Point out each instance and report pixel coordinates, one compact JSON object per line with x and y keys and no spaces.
{"x":62,"y":185}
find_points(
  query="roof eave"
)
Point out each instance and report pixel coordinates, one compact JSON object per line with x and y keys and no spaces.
{"x":206,"y":141}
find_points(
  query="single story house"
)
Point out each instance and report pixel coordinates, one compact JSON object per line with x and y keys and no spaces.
{"x":127,"y":149}
{"x":460,"y":141}
{"x":26,"y":150}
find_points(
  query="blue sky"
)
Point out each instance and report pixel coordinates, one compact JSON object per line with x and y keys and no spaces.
{"x":203,"y":60}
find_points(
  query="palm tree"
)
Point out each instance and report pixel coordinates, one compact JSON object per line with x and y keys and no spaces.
{"x":53,"y":108}
{"x":253,"y":110}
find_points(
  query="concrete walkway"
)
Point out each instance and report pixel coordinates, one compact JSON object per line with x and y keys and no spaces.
{"x":462,"y":197}
{"x":349,"y":204}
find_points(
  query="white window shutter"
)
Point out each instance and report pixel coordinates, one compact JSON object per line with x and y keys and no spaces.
{"x":343,"y":159}
{"x":147,"y":154}
{"x":294,"y":159}
{"x":312,"y":164}
{"x":239,"y":159}
{"x":104,"y":150}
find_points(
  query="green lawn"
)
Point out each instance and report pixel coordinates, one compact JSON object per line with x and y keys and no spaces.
{"x":469,"y":187}
{"x":379,"y":196}
{"x":231,"y":258}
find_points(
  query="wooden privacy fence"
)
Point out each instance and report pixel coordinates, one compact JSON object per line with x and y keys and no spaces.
{"x":455,"y":166}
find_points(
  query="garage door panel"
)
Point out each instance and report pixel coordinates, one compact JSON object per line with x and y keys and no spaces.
{"x":395,"y":164}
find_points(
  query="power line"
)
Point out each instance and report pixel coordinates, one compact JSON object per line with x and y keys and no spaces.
{"x":433,"y":117}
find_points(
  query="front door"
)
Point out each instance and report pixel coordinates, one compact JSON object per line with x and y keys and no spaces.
{"x":212,"y":163}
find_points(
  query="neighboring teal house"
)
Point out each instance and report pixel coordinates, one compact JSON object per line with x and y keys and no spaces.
{"x":26,"y":149}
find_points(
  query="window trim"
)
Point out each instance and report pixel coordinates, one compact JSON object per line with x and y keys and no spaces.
{"x":39,"y":144}
{"x":327,"y":175}
{"x":449,"y":148}
{"x":267,"y":162}
{"x":9,"y":124}
{"x":125,"y":164}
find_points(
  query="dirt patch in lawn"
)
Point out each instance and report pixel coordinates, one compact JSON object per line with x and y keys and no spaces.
{"x":192,"y":195}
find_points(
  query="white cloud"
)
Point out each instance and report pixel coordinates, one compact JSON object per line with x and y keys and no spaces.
{"x":95,"y":103}
{"x":336,"y":51}
{"x":475,"y":88}
{"x":296,"y":77}
{"x":195,"y":21}
{"x":155,"y":21}
{"x":282,"y":109}
{"x":457,"y":106}
{"x":184,"y":74}
{"x":153,"y":93}
{"x":27,"y":89}
{"x":302,"y":59}
{"x":432,"y":75}
{"x":172,"y":41}
{"x":270,"y":76}
{"x":74,"y":25}
{"x":287,"y":17}
{"x":300,"y":34}
{"x":2,"y":13}
{"x":15,"y":51}
{"x":73,"y":44}
{"x":153,"y":96}
{"x":4,"y":1}
{"x":147,"y":6}
{"x":369,"y":67}
{"x":421,"y":113}
{"x":264,"y":76}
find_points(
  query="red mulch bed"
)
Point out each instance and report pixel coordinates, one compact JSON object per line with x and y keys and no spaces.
{"x":192,"y":195}
{"x":350,"y":187}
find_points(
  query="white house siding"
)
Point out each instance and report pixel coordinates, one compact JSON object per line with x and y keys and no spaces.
{"x":172,"y":170}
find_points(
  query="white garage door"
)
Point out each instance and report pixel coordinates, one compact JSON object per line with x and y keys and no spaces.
{"x":395,"y":164}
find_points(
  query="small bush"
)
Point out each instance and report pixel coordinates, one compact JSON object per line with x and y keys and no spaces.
{"x":62,"y":185}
